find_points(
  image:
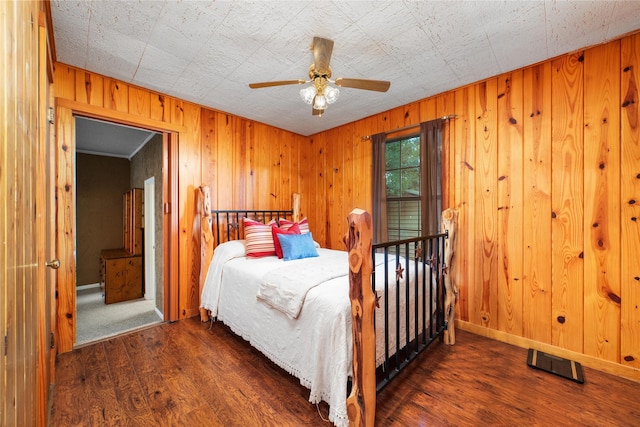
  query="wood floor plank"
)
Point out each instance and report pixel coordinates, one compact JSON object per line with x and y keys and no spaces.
{"x":184,"y":373}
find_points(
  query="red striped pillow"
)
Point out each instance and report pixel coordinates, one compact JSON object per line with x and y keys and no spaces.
{"x":285,"y":224}
{"x":259,"y":238}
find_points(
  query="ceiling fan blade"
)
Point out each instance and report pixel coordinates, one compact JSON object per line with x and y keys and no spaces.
{"x":277,"y":83}
{"x":322,"y":49}
{"x":377,"y":85}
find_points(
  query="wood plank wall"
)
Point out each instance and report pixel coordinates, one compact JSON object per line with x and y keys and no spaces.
{"x":247,"y":164}
{"x":544,"y":169}
{"x":23,"y":381}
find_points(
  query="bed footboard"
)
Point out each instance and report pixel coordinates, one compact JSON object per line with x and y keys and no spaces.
{"x":415,"y":305}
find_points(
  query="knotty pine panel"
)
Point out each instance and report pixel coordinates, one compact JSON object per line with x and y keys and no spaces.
{"x":445,"y":107}
{"x":209,"y":159}
{"x":190,"y":179}
{"x":19,"y":176}
{"x":275,"y":167}
{"x":484,"y":295}
{"x":261,"y":171}
{"x":65,"y":229}
{"x":240,"y":162}
{"x":159,"y":108}
{"x":536,"y":203}
{"x":601,"y":194}
{"x":464,"y":196}
{"x":567,"y":202}
{"x":510,"y":198}
{"x":139,"y":102}
{"x":89,"y":88}
{"x":630,"y":202}
{"x":65,"y":82}
{"x":116,"y":95}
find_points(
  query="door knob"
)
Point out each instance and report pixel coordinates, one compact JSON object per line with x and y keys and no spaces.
{"x":55,"y":264}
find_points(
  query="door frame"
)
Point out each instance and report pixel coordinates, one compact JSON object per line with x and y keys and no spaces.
{"x":66,"y":111}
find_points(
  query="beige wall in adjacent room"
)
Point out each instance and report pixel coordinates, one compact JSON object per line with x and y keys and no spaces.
{"x":101,"y":182}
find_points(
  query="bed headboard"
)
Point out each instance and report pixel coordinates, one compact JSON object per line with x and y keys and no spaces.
{"x":228,"y":224}
{"x":218,"y":226}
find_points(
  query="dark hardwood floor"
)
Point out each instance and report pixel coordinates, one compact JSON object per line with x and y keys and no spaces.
{"x":183,"y":374}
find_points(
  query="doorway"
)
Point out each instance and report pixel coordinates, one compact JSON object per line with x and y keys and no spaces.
{"x":112,"y":159}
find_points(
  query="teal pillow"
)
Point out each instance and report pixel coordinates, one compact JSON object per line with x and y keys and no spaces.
{"x":297,"y":246}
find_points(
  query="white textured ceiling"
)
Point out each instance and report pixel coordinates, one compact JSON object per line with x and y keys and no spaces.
{"x":207,"y":52}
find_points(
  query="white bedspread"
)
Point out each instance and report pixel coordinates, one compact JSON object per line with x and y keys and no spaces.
{"x":316,"y":347}
{"x":286,"y":287}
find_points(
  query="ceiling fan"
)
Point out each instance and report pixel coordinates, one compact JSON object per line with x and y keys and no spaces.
{"x":320,"y":93}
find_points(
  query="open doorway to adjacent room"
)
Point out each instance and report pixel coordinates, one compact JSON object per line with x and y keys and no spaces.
{"x":118,"y":229}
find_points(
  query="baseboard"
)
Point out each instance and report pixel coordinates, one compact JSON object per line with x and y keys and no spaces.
{"x":159,"y":313}
{"x":90,"y":286}
{"x":586,"y":360}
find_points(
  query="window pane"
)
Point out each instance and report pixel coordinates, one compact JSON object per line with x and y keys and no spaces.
{"x":404,"y":219}
{"x":411,"y":182}
{"x":410,"y":152}
{"x":392,"y":155}
{"x":393,"y":183}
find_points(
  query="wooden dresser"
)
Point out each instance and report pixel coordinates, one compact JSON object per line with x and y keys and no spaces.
{"x":121,"y":269}
{"x":121,"y":275}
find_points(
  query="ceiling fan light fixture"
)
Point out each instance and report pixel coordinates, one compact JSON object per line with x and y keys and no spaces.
{"x":320,"y":102}
{"x":307,"y":94}
{"x":331,"y":93}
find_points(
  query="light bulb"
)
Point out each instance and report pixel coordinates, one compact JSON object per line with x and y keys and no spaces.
{"x":307,"y":94}
{"x":331,"y":93}
{"x":320,"y":102}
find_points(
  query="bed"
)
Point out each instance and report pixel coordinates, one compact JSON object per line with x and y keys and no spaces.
{"x":298,"y":312}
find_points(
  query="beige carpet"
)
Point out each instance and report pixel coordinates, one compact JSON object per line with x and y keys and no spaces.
{"x":97,"y":320}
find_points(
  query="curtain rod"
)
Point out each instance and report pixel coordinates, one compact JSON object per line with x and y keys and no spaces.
{"x":450,"y":116}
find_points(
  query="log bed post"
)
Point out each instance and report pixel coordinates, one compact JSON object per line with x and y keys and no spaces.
{"x":295,"y":207}
{"x":206,"y":241}
{"x":449,"y":224}
{"x":361,"y":403}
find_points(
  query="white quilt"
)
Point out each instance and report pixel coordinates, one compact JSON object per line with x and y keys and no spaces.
{"x":316,"y":347}
{"x":285,"y":288}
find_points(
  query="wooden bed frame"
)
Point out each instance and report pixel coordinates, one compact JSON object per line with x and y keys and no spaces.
{"x":432,"y":254}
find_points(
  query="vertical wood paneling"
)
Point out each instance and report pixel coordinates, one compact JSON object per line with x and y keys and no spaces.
{"x":65,"y":81}
{"x":116,"y":95}
{"x":630,"y":202}
{"x":139,"y":102}
{"x":223,"y":197}
{"x":536,"y":203}
{"x":465,"y":159}
{"x":567,"y":202}
{"x":484,"y":297}
{"x":240,"y":167}
{"x":189,"y":152}
{"x":65,"y":225}
{"x":6,"y":25}
{"x":601,"y":193}
{"x":160,"y":107}
{"x":208,"y":160}
{"x":262,"y":168}
{"x":22,"y":401}
{"x":89,"y":88}
{"x":509,"y":189}
{"x":446,"y":107}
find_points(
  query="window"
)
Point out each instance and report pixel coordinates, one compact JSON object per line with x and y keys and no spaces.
{"x":404,"y":195}
{"x":407,"y":188}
